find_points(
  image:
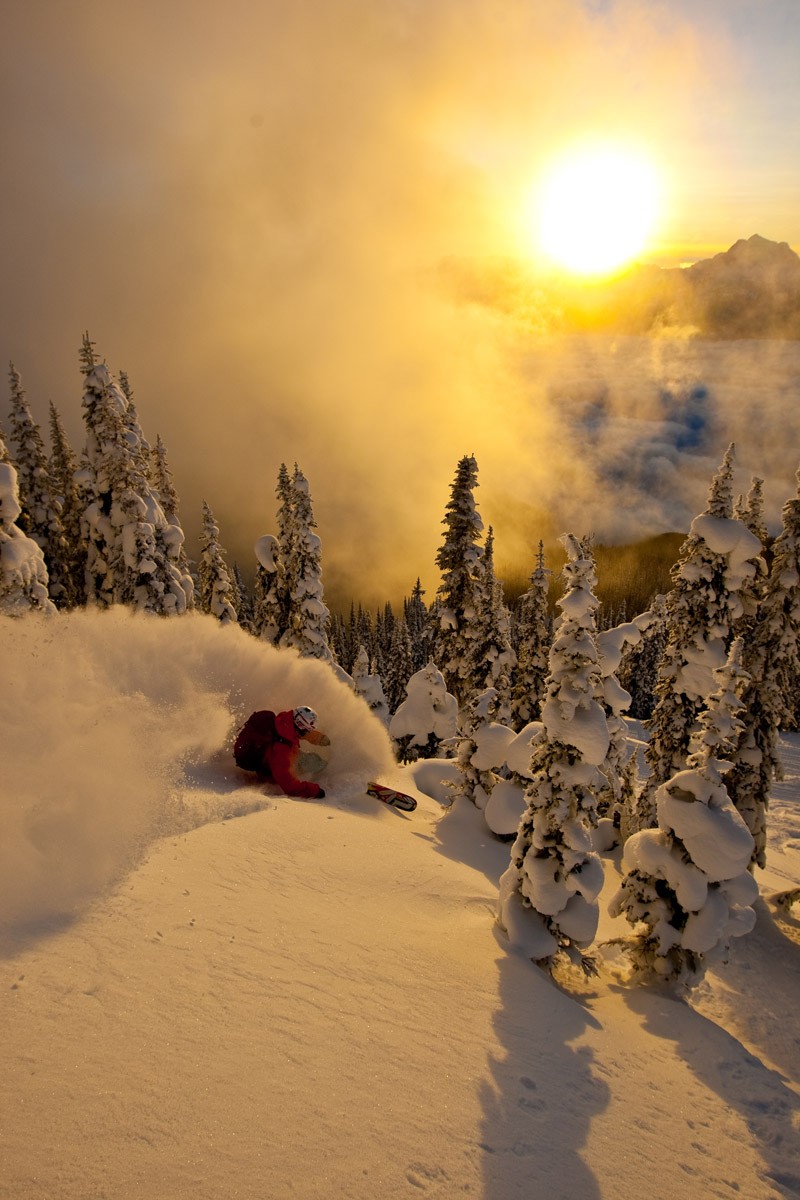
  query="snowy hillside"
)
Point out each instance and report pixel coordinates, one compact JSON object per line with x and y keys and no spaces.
{"x":213,"y":991}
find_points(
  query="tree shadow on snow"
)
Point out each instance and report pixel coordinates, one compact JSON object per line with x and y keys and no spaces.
{"x":543,"y":1093}
{"x":759,"y":987}
{"x":461,"y":834}
{"x":758,"y":1093}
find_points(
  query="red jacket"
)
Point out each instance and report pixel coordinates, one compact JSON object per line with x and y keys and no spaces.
{"x":281,"y":757}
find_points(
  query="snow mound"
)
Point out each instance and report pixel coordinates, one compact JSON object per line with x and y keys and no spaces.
{"x":491,"y":745}
{"x":707,"y":823}
{"x":580,"y":724}
{"x":505,"y":807}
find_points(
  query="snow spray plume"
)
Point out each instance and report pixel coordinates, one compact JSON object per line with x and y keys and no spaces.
{"x":129,"y":708}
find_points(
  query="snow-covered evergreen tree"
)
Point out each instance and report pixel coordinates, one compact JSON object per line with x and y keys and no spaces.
{"x":23,"y":574}
{"x":548,"y":895}
{"x":416,"y":615}
{"x":40,"y":517}
{"x":616,"y":797}
{"x":269,"y":607}
{"x":217,"y":592}
{"x":427,"y":717}
{"x":243,"y":602}
{"x":369,"y":686}
{"x":510,"y":756}
{"x":459,"y":594}
{"x":164,"y":487}
{"x":772,"y":660}
{"x":534,"y":631}
{"x":686,"y":888}
{"x":715,"y":568}
{"x":364,"y":632}
{"x":749,"y":509}
{"x":285,"y":495}
{"x":638,"y":669}
{"x":62,"y":469}
{"x":301,"y":557}
{"x":337,"y":639}
{"x":493,"y":656}
{"x":400,"y":665}
{"x":140,"y":450}
{"x":480,"y":753}
{"x":384,"y":623}
{"x":130,"y":543}
{"x":27,"y":449}
{"x":343,"y":640}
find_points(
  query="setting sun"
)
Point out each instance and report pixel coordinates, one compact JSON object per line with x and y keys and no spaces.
{"x":595,"y":207}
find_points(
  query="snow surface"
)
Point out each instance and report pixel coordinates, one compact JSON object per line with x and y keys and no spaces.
{"x":212,"y":991}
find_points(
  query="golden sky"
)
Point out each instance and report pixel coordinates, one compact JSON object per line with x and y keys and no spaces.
{"x":246,"y":205}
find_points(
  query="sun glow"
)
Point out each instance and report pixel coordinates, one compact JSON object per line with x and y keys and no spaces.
{"x":595,"y":208}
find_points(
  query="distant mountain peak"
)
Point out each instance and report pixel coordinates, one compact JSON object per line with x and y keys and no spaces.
{"x":754,"y":251}
{"x":751,"y":290}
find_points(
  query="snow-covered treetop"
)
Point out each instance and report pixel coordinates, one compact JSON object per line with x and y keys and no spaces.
{"x":428,"y":708}
{"x":750,"y":509}
{"x":571,"y":713}
{"x":462,"y":520}
{"x":720,"y":495}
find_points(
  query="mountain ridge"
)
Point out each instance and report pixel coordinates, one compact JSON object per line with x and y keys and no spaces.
{"x":750,"y":290}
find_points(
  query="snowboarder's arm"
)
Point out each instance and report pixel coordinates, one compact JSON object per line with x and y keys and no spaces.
{"x":281,"y":761}
{"x":315,"y":736}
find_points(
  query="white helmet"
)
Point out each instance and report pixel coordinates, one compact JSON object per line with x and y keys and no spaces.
{"x":304,"y":719}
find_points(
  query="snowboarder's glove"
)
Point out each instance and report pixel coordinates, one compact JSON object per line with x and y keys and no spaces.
{"x":324,"y":740}
{"x":320,"y":794}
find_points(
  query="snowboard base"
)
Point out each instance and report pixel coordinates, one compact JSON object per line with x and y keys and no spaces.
{"x":392,"y":797}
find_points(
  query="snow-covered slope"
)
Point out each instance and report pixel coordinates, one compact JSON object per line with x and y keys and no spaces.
{"x":212,"y":991}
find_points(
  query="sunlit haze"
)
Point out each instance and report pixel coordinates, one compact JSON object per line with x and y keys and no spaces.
{"x":298,"y":229}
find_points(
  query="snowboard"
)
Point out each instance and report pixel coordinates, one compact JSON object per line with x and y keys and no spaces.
{"x":392,"y":797}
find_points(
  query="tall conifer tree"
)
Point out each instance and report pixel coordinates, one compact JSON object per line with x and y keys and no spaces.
{"x":63,"y":472}
{"x":269,"y":593}
{"x":459,"y":594}
{"x":548,"y":895}
{"x":157,"y":469}
{"x":416,"y":615}
{"x":772,"y":661}
{"x":685,"y":886}
{"x":216,"y":589}
{"x":244,"y":601}
{"x":400,"y":665}
{"x":23,"y":574}
{"x":301,"y":555}
{"x":638,"y":671}
{"x":129,"y":540}
{"x":493,"y":657}
{"x":40,"y":518}
{"x":534,"y":634}
{"x":714,"y":570}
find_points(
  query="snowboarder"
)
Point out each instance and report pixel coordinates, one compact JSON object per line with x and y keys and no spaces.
{"x":269,"y":744}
